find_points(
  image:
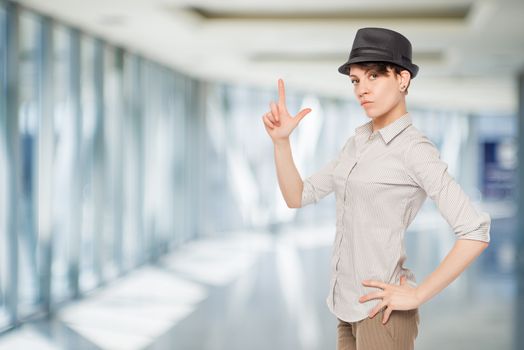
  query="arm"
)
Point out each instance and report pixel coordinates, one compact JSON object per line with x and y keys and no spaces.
{"x":405,"y":297}
{"x":462,"y":254}
{"x":298,"y":193}
{"x":429,"y":172}
{"x":279,"y":124}
{"x":470,"y":226}
{"x":289,"y":179}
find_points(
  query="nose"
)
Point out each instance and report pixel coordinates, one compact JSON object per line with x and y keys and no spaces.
{"x":361,"y":89}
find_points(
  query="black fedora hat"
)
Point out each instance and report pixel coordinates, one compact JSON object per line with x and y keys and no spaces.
{"x":380,"y":45}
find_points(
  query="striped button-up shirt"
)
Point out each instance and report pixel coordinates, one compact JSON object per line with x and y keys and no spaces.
{"x":380,"y":180}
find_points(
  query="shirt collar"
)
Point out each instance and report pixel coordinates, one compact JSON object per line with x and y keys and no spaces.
{"x":389,"y":131}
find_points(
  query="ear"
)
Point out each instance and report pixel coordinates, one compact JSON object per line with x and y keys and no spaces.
{"x":405,"y":77}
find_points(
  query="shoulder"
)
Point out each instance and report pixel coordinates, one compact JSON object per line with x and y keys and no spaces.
{"x":414,"y":138}
{"x":418,"y":146}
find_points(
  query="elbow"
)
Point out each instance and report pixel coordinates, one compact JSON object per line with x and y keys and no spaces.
{"x":482,"y":247}
{"x":293,"y":205}
{"x":294,"y":201}
{"x":485,"y":241}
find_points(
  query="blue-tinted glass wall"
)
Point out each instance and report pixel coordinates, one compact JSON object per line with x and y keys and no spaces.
{"x":93,"y":163}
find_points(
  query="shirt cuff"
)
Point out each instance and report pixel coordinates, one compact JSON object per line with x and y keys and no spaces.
{"x":308,"y":194}
{"x":481,"y":230}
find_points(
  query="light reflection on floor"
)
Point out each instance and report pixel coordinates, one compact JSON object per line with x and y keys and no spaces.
{"x":26,"y":338}
{"x":131,"y":313}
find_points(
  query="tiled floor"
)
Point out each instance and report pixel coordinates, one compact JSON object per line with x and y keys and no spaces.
{"x":263,"y":291}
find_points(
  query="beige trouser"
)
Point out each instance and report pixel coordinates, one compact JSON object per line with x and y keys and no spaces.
{"x":398,"y":333}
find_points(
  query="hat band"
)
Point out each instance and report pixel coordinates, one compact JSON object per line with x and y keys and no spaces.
{"x":369,"y":51}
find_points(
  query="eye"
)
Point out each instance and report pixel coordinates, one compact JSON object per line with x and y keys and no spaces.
{"x":354,"y":81}
{"x":373,"y":76}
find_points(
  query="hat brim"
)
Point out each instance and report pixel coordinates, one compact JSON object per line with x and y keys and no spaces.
{"x":343,"y":69}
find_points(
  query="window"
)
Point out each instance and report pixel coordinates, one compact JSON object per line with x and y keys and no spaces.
{"x":4,"y":261}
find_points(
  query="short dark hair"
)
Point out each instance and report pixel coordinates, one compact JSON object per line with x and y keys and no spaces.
{"x":381,"y":68}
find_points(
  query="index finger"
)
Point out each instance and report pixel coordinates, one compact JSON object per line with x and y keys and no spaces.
{"x":373,"y":283}
{"x":281,"y":93}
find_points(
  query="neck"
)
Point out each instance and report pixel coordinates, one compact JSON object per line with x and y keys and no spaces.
{"x":388,"y":118}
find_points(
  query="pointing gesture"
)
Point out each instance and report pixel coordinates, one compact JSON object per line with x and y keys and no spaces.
{"x":278,"y":122}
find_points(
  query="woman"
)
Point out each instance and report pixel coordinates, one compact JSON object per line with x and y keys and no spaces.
{"x":380,"y":178}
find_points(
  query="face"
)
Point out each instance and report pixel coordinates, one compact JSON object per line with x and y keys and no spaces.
{"x":379,"y":95}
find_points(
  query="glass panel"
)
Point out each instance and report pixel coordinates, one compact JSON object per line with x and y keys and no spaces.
{"x":164,"y":146}
{"x":29,"y":285}
{"x":112,"y":237}
{"x":151,"y":186}
{"x":91,"y":128}
{"x":3,"y":173}
{"x":159,"y":146}
{"x":88,"y":275}
{"x":177,"y":110}
{"x":132,"y":164}
{"x":64,"y":163}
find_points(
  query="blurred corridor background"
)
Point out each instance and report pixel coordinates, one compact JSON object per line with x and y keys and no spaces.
{"x":139,"y":206}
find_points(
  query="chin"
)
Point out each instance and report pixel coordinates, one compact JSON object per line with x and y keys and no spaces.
{"x":372,"y":115}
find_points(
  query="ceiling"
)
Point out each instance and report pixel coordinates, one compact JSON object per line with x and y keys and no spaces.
{"x":469,"y":52}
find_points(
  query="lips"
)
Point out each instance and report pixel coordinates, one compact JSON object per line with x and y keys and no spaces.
{"x":364,"y":103}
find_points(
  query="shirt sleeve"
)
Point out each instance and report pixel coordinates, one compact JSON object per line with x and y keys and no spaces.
{"x":320,"y":184}
{"x":425,"y":167}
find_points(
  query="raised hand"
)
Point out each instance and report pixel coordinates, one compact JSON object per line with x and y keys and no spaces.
{"x":278,"y":122}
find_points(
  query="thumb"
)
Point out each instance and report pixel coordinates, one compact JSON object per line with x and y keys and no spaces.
{"x":302,"y":114}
